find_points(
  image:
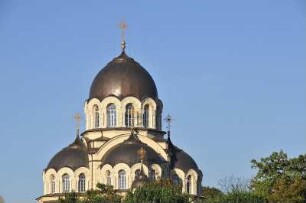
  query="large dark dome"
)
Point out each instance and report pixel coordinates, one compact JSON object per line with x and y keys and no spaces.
{"x":73,"y":156}
{"x":123,"y":77}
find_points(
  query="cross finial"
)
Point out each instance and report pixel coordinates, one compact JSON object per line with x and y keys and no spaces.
{"x":142,"y":154}
{"x":168,"y":120}
{"x":123,"y":26}
{"x":77,"y":118}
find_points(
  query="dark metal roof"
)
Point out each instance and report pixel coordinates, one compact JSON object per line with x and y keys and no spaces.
{"x":184,"y":161}
{"x":126,"y":152}
{"x":73,"y":156}
{"x":180,"y":159}
{"x":123,"y":77}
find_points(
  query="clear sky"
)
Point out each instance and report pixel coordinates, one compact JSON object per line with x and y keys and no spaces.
{"x":231,"y":73}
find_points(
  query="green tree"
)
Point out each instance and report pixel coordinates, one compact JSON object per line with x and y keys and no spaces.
{"x":277,"y":175}
{"x":211,"y":192}
{"x":288,"y":190}
{"x":103,"y":194}
{"x":160,"y":191}
{"x":71,"y":197}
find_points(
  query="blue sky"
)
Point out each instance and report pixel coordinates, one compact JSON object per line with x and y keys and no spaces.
{"x":231,"y":73}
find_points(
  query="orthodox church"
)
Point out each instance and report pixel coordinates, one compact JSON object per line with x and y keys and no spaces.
{"x":123,"y":144}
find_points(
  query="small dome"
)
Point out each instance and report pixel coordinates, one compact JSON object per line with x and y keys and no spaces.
{"x":123,"y":77}
{"x":73,"y":156}
{"x":180,"y":159}
{"x":184,"y":161}
{"x":126,"y":152}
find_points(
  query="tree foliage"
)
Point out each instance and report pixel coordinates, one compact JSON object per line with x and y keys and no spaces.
{"x":279,"y":178}
{"x":160,"y":191}
{"x":211,"y":192}
{"x":104,"y":194}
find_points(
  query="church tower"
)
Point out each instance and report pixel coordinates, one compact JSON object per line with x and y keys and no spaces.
{"x":123,"y":140}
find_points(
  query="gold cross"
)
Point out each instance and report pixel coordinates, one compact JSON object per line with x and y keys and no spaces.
{"x":142,"y":154}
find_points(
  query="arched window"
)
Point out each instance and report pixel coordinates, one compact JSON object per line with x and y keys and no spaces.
{"x":81,"y":183}
{"x":96,"y":116}
{"x":52,"y":184}
{"x":176,"y":180}
{"x":145,"y":118}
{"x":152,"y":174}
{"x":129,"y":115}
{"x":108,"y":178}
{"x":111,"y":115}
{"x":66,"y":183}
{"x":137,"y":173}
{"x":189,"y":184}
{"x":122,"y":180}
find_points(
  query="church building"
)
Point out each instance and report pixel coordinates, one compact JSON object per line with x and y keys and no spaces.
{"x":123,"y":144}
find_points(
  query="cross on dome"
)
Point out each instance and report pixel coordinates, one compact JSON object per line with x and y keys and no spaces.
{"x":123,"y":26}
{"x":77,"y":118}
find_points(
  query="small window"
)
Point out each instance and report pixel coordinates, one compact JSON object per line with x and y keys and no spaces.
{"x":96,"y":116}
{"x":129,"y":115}
{"x":108,"y":178}
{"x":145,"y":118}
{"x":122,"y":180}
{"x":66,"y":183}
{"x":137,"y":173}
{"x":52,"y":184}
{"x":176,"y":180}
{"x":111,"y":115}
{"x":81,"y":183}
{"x":152,"y":174}
{"x":189,"y":184}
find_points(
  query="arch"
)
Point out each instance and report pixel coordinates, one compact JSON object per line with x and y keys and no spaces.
{"x":119,"y":139}
{"x":137,"y":167}
{"x":82,"y":183}
{"x":176,"y":179}
{"x":129,"y":115}
{"x":88,"y":108}
{"x":157,"y":170}
{"x":105,"y":170}
{"x":111,"y":115}
{"x":65,"y":183}
{"x":191,"y":181}
{"x":122,"y":183}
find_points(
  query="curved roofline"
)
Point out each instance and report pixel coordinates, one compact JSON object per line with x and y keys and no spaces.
{"x":121,"y":128}
{"x":157,"y":100}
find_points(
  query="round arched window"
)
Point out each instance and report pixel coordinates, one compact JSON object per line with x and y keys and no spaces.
{"x":81,"y":183}
{"x":129,"y":115}
{"x":66,"y":183}
{"x":122,"y":180}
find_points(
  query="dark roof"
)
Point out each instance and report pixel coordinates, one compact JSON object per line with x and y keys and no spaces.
{"x":184,"y":161}
{"x":73,"y":156}
{"x":179,"y":158}
{"x":126,"y":152}
{"x":123,"y":77}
